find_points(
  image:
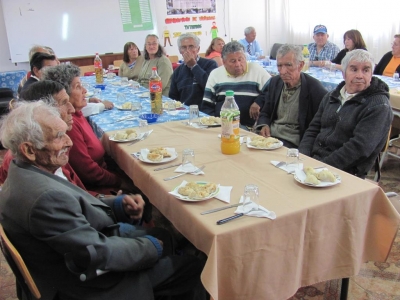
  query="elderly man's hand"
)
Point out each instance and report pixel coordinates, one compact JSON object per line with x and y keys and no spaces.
{"x":133,"y":206}
{"x":265,"y":131}
{"x":189,"y":59}
{"x":254,"y":111}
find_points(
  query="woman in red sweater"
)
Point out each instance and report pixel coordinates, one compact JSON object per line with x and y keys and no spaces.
{"x":87,"y":155}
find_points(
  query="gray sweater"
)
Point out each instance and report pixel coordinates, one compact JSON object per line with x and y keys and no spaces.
{"x":350,"y":137}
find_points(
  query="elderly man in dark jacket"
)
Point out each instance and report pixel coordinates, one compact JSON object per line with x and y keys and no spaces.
{"x":353,"y":121}
{"x":62,"y":224}
{"x":291,"y":100}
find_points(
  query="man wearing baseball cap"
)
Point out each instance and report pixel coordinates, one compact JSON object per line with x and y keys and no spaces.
{"x":322,"y":50}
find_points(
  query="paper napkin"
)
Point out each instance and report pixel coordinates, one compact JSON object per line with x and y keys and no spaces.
{"x":224,"y":194}
{"x":261,"y":212}
{"x":189,"y":168}
{"x":289,"y":168}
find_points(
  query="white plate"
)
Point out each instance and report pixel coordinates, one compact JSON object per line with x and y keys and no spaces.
{"x":144,"y":152}
{"x":139,"y":136}
{"x":300,"y":176}
{"x":144,"y":95}
{"x":273,"y":146}
{"x":186,"y":198}
{"x":119,"y":107}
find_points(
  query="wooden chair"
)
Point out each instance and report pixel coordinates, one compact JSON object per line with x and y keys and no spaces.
{"x":86,"y":70}
{"x":203,"y":55}
{"x":173,"y":58}
{"x":381,"y":157}
{"x":17,"y":264}
{"x":118,"y":63}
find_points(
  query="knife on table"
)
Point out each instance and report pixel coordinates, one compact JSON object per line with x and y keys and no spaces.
{"x":166,"y":167}
{"x":220,"y":208}
{"x":223,"y":221}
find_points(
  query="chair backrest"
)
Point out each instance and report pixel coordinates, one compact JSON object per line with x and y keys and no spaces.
{"x":173,"y":58}
{"x":202,"y":55}
{"x":18,"y":266}
{"x":274,"y":50}
{"x":86,"y":69}
{"x":118,"y":62}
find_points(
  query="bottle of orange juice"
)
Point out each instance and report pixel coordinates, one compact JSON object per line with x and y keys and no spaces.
{"x":230,"y":117}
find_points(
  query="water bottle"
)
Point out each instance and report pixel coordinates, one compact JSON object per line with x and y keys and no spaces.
{"x":396,"y":77}
{"x":98,"y":69}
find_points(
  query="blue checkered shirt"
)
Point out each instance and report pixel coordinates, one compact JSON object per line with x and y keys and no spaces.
{"x":328,"y":52}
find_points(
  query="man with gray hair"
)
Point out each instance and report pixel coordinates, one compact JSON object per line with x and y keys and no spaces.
{"x":250,"y":44}
{"x":64,"y":231}
{"x":352,"y":123}
{"x":189,"y":80}
{"x":292,"y":99}
{"x":247,"y":80}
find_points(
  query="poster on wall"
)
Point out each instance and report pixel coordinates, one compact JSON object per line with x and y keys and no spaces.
{"x":136,"y":15}
{"x":183,"y":16}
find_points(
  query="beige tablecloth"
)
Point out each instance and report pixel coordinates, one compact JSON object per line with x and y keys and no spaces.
{"x":319,"y":233}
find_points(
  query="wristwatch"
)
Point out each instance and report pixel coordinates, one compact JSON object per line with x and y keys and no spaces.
{"x":101,"y":196}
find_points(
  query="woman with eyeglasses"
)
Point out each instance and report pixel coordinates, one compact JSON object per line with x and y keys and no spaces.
{"x":132,"y":62}
{"x":352,"y":39}
{"x":154,"y":57}
{"x":390,"y":62}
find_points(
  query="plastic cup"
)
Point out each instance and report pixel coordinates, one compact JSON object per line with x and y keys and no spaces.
{"x":188,"y":159}
{"x":193,"y":114}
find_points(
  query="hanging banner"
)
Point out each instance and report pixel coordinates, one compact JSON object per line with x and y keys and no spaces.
{"x":136,"y":15}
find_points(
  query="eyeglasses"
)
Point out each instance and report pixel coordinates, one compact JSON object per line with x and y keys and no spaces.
{"x":151,"y":44}
{"x":190,"y":47}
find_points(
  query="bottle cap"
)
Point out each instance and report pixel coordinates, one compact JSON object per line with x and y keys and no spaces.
{"x":154,"y":68}
{"x":229,"y":93}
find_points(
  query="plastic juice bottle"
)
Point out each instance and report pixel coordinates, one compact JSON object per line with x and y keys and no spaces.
{"x":306,"y":56}
{"x":230,"y":117}
{"x":98,"y":69}
{"x":155,"y":87}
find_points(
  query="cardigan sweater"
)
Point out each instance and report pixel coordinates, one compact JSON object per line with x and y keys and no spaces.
{"x":125,"y":71}
{"x":380,"y":67}
{"x":87,"y":155}
{"x":350,"y":136}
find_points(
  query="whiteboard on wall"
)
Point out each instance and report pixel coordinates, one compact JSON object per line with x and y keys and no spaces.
{"x":71,"y":27}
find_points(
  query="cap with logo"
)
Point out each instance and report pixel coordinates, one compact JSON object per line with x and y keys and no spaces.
{"x":320,"y":29}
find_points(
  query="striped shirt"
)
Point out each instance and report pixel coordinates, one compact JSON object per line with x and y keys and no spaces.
{"x":248,"y":88}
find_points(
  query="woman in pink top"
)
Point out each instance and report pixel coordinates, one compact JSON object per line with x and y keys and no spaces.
{"x":87,"y":157}
{"x":215,"y":49}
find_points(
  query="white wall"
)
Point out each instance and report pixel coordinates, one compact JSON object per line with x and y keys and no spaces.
{"x":5,"y":57}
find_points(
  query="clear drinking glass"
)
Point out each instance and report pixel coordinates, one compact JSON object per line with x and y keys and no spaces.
{"x":292,"y":158}
{"x":136,"y":109}
{"x":143,"y":126}
{"x":188,"y":160}
{"x":193,"y":114}
{"x":251,"y":196}
{"x":121,"y":98}
{"x":170,"y":106}
{"x":124,"y":81}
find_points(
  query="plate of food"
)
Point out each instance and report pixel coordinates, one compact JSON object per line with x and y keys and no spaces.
{"x":320,"y":177}
{"x":144,"y":95}
{"x":263,"y":143}
{"x":126,"y":135}
{"x":158,"y":155}
{"x":210,"y":121}
{"x":195,"y":191}
{"x":124,"y":106}
{"x":178,"y":104}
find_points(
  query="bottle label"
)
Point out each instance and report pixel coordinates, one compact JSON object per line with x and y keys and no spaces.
{"x":230,"y":124}
{"x":155,"y":86}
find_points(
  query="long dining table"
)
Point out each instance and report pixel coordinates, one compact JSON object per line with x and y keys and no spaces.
{"x":319,"y":234}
